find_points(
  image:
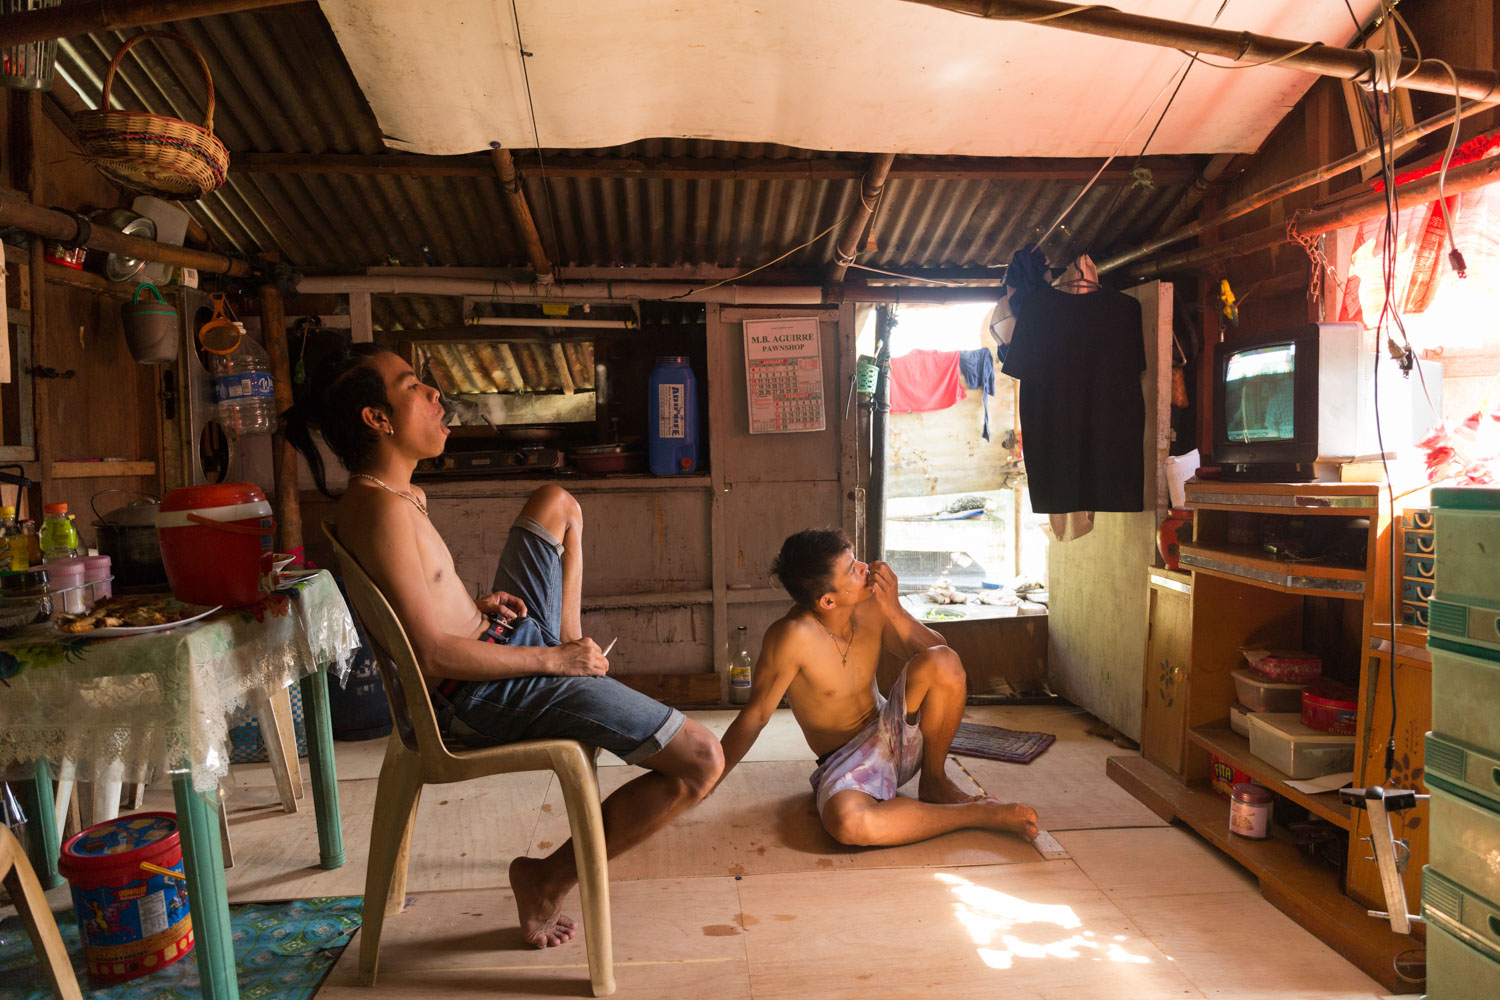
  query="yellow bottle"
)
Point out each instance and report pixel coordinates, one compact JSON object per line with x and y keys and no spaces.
{"x":13,"y":549}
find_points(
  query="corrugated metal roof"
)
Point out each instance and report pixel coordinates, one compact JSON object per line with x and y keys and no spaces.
{"x":283,"y":86}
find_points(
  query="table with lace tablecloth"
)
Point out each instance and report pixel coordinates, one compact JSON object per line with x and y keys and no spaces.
{"x":158,"y":703}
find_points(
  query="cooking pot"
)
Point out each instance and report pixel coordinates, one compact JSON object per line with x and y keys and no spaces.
{"x":604,"y":458}
{"x":128,"y":536}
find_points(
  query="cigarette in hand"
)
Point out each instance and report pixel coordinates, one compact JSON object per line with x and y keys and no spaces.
{"x":610,"y":646}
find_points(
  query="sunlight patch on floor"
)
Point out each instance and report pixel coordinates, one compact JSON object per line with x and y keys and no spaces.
{"x":990,"y":916}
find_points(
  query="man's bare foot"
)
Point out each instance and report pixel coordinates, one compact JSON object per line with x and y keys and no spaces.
{"x":1013,"y":817}
{"x":943,"y":791}
{"x":542,"y":922}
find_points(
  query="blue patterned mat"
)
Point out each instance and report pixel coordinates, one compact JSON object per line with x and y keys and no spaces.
{"x":283,"y":950}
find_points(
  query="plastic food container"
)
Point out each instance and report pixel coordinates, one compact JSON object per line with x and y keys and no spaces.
{"x":70,"y":593}
{"x":1260,"y":695}
{"x":216,"y":543}
{"x":1465,"y":691}
{"x":96,"y":574}
{"x":1330,"y":707}
{"x":1300,"y":751}
{"x":1239,"y":719}
{"x":1287,"y":666}
{"x":132,"y":921}
{"x":1250,"y":810}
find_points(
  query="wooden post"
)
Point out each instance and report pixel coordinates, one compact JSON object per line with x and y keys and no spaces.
{"x":283,"y":455}
{"x":41,"y":389}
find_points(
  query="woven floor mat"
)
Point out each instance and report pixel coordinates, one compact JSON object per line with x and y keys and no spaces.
{"x":995,"y":743}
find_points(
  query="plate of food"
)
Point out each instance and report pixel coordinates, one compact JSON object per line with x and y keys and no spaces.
{"x":133,"y":616}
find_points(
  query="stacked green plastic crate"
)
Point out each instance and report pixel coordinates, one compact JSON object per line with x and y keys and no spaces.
{"x":1461,"y":883}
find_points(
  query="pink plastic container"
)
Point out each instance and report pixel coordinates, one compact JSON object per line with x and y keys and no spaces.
{"x":96,"y":573}
{"x":65,"y":579}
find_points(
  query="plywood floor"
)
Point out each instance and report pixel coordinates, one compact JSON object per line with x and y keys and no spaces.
{"x":745,"y":896}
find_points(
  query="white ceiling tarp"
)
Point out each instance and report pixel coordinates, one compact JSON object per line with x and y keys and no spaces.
{"x":444,"y":76}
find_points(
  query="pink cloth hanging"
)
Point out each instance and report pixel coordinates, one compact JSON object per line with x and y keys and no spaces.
{"x":923,"y":381}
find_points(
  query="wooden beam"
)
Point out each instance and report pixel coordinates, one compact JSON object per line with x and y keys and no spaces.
{"x":1244,"y":47}
{"x":1164,"y":169}
{"x":871,"y":184}
{"x":520,"y":212}
{"x":283,"y":455}
{"x":89,"y":17}
{"x":28,"y":215}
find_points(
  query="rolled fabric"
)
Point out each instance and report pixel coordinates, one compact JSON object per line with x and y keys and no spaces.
{"x":490,"y":359}
{"x":560,"y":362}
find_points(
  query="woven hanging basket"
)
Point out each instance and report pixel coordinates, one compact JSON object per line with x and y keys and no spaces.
{"x":157,"y":154}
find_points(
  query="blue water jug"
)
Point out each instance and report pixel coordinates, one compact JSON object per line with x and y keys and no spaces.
{"x":672,"y":417}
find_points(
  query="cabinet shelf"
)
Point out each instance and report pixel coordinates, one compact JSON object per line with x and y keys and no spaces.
{"x":1302,"y":887}
{"x":1225,"y":743}
{"x":1252,"y":565}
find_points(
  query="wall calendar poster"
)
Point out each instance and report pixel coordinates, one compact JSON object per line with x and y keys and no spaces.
{"x":784,"y":375}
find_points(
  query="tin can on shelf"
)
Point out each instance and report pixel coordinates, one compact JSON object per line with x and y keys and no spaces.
{"x":1250,"y":810}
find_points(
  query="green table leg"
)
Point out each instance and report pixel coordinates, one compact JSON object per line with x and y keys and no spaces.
{"x":325,"y":778}
{"x":43,"y":841}
{"x":208,"y":898}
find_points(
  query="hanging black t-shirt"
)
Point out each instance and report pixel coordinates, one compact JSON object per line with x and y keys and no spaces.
{"x":1079,"y":360}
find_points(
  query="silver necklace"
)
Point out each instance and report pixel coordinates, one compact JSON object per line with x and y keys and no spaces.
{"x":390,"y":489}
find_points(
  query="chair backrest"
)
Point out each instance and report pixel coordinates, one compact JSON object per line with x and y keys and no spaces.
{"x":405,"y":687}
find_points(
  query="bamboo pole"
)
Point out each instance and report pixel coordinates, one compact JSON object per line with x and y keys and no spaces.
{"x":520,"y":212}
{"x":283,"y":455}
{"x":1348,"y":213}
{"x":92,"y":16}
{"x":59,"y":226}
{"x":1278,"y":191}
{"x":1240,"y":46}
{"x":870,"y":186}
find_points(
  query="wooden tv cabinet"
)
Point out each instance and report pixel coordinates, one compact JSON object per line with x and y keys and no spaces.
{"x":1321,"y":585}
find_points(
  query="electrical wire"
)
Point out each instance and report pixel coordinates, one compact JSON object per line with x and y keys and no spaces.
{"x":536,"y":134}
{"x":762,"y":267}
{"x":1455,"y":258}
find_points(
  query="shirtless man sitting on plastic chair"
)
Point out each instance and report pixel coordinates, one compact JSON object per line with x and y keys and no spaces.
{"x":822,"y":656}
{"x":513,"y":665}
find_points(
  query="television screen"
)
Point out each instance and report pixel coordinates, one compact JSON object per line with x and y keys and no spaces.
{"x":1258,"y":394}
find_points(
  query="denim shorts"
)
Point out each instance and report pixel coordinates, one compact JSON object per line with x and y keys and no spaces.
{"x":596,"y":710}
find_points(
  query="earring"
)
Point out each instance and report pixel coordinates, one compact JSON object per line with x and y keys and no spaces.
{"x":389,"y":431}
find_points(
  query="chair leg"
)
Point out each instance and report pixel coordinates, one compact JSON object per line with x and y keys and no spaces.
{"x":26,"y":893}
{"x":396,"y":797}
{"x":575,"y":773}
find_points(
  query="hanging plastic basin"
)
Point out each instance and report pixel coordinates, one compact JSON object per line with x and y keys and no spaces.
{"x":132,"y":921}
{"x":216,"y":543}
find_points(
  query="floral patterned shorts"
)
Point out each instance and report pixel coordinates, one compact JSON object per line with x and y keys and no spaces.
{"x":880,"y":759}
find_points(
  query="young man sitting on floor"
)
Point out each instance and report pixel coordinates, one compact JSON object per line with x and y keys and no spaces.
{"x":515,"y":664}
{"x":822,"y":655}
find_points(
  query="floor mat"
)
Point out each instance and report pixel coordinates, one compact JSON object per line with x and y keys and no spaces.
{"x":283,"y":950}
{"x":995,"y":743}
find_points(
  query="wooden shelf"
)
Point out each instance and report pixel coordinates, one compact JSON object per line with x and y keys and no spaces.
{"x":1224,"y":742}
{"x":100,"y":470}
{"x":1252,"y":565}
{"x":1304,"y":888}
{"x":437,"y":487}
{"x":1285,"y":498}
{"x":1406,"y":635}
{"x":655,"y":599}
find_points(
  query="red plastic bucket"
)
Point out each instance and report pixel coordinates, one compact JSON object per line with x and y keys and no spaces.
{"x":132,"y":921}
{"x":216,"y":543}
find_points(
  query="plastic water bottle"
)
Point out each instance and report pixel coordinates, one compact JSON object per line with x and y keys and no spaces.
{"x":243,"y":389}
{"x":672,"y":418}
{"x":739,"y":669}
{"x":59,"y":537}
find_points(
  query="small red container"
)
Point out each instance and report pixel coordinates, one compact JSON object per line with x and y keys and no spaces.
{"x":1330,"y":707}
{"x":1285,"y":666}
{"x":216,"y":543}
{"x":1223,"y":776}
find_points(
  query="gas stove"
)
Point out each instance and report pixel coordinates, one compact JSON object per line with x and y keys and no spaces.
{"x":521,"y":459}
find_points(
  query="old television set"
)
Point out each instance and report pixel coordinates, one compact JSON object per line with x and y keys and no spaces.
{"x":1294,"y":405}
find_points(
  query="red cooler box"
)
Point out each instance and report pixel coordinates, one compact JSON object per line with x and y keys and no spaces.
{"x":216,"y":543}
